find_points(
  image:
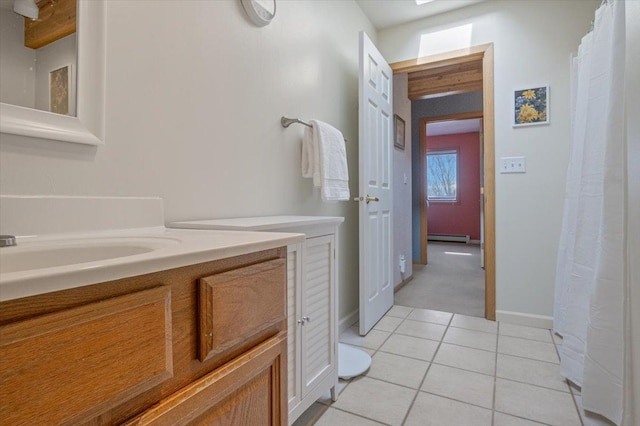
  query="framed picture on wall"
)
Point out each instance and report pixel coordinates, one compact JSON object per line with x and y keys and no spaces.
{"x":59,"y":90}
{"x":531,"y":106}
{"x":398,"y":139}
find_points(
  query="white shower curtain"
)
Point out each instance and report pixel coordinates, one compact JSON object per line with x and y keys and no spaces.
{"x":590,"y":299}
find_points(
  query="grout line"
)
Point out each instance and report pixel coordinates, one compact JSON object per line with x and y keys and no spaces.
{"x":406,"y":416}
{"x":456,"y":400}
{"x":358,"y":415}
{"x":524,"y":418}
{"x":495,"y":378}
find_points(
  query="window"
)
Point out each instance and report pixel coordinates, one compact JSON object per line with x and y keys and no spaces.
{"x":442,"y":175}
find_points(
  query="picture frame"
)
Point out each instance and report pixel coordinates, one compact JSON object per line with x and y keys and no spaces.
{"x":530,"y":106}
{"x":398,"y":138}
{"x":60,"y":96}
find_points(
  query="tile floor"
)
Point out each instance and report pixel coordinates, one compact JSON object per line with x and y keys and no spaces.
{"x":437,"y":368}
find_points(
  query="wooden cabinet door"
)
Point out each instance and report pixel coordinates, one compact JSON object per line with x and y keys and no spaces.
{"x":69,"y":367}
{"x":318,"y":337}
{"x":250,"y":390}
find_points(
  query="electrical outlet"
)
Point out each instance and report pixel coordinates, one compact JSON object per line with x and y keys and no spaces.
{"x":513,"y":165}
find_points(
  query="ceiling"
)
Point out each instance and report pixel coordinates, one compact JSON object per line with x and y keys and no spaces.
{"x":438,"y":128}
{"x":387,"y":13}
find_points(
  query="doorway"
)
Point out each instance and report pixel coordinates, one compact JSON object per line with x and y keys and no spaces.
{"x":460,"y":71}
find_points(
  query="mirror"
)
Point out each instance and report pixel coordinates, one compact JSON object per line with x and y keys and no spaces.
{"x":79,"y":115}
{"x":38,"y":54}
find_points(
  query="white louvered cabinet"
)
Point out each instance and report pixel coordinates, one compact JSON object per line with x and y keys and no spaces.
{"x":312,"y":302}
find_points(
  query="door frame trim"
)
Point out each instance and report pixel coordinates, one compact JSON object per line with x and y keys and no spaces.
{"x":474,"y":53}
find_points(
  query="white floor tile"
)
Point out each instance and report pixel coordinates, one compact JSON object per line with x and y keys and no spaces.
{"x":373,"y":339}
{"x":388,"y":323}
{"x":524,"y":332}
{"x":333,"y":417}
{"x":399,"y":311}
{"x":425,"y":330}
{"x":397,"y":369}
{"x":428,"y":315}
{"x":433,"y":410}
{"x":536,"y":403}
{"x":461,"y":385}
{"x":376,"y":400}
{"x":466,"y":358}
{"x":326,"y":398}
{"x":471,"y":338}
{"x":531,"y":371}
{"x":474,"y":323}
{"x":311,"y":416}
{"x":501,"y":419}
{"x":412,"y":347}
{"x":528,"y":349}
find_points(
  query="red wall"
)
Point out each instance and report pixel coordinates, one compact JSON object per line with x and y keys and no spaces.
{"x":463,"y":217}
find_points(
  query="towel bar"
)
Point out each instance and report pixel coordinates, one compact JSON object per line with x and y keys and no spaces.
{"x":286,"y":122}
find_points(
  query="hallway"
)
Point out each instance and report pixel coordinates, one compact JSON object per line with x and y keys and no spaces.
{"x":453,"y":281}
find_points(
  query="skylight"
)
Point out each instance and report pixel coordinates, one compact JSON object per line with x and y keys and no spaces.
{"x":419,"y":2}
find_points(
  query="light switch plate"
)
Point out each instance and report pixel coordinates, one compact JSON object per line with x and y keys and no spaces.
{"x":513,"y":165}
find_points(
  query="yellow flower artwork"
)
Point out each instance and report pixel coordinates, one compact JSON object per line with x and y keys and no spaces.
{"x":531,"y":106}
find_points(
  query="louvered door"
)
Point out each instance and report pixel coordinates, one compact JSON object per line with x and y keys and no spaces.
{"x":294,"y":328}
{"x":318,"y":328}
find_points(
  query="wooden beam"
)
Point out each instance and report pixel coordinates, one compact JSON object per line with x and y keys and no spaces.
{"x":56,"y":20}
{"x":440,"y":91}
{"x":442,"y":59}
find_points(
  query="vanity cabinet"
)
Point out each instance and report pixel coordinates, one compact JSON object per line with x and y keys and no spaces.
{"x":312,"y":301}
{"x":201,"y":344}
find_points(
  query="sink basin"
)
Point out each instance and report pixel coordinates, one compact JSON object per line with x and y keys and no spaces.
{"x":29,"y":256}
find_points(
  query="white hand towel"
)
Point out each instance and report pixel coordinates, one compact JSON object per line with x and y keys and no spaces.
{"x":310,"y":156}
{"x":330,"y":153}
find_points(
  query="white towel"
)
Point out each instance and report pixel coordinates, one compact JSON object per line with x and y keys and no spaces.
{"x":310,"y":157}
{"x":330,"y":153}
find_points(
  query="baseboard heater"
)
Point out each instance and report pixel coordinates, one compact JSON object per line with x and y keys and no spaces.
{"x":449,"y":238}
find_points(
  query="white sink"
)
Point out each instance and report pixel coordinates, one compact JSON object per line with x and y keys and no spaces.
{"x":30,"y":256}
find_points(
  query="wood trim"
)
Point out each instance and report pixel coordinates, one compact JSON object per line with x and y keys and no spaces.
{"x":482,"y":52}
{"x":453,"y":57}
{"x":57,"y":20}
{"x":489,"y":185}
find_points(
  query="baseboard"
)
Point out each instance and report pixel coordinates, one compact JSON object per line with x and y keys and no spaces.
{"x":530,"y":320}
{"x":402,"y":283}
{"x":345,"y":323}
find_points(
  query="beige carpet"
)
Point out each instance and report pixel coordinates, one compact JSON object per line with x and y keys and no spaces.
{"x":450,"y":282}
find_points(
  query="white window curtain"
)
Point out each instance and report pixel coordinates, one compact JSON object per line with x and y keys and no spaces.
{"x":591,"y":288}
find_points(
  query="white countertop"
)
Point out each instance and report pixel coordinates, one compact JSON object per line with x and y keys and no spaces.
{"x":172,"y":248}
{"x":261,"y":223}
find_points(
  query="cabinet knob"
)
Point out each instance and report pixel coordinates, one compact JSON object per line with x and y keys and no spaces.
{"x":306,"y":319}
{"x":300,"y":321}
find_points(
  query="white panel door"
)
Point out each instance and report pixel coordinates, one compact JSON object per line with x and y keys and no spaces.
{"x":318,"y":317}
{"x":376,"y":126}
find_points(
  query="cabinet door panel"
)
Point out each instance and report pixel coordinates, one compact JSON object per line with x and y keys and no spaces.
{"x":317,"y":332}
{"x":69,"y":366}
{"x":250,"y":390}
{"x":294,"y":282}
{"x":235,"y":306}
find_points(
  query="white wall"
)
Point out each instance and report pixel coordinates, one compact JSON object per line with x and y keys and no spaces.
{"x":532,"y":42}
{"x":49,"y":58}
{"x":194,"y":96}
{"x":402,"y":183}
